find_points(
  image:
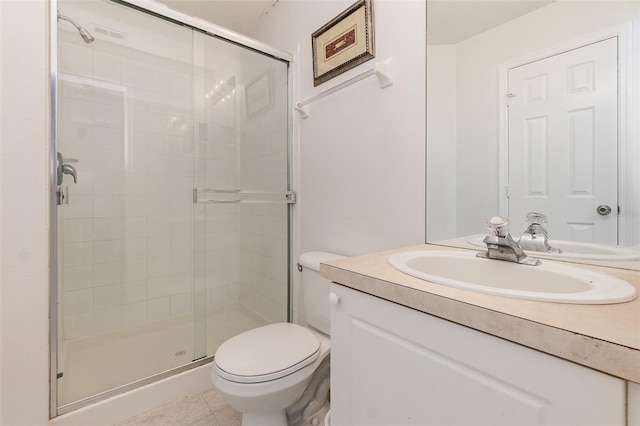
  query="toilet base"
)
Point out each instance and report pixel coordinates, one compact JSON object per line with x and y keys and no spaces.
{"x":275,"y":418}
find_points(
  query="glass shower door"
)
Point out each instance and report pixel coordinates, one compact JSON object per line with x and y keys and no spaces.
{"x":125,"y":125}
{"x":173,"y":223}
{"x":242,"y":209}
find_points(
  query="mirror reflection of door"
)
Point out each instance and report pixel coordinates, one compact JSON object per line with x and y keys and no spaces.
{"x":563,"y":131}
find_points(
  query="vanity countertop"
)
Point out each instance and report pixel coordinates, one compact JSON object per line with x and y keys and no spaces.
{"x":602,"y":337}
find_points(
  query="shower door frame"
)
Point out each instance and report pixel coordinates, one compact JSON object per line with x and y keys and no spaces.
{"x":195,"y":24}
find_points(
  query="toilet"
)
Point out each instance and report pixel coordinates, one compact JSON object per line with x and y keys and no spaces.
{"x":264,"y":373}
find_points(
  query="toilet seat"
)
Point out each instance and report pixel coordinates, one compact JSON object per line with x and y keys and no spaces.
{"x":266,"y":353}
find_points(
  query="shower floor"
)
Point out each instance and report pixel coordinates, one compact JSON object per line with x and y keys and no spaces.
{"x":100,"y":363}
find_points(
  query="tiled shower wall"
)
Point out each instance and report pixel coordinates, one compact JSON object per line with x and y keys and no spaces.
{"x":128,"y":241}
{"x":128,"y":225}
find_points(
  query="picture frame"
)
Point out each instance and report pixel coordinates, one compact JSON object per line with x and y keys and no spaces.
{"x":259,"y":95}
{"x":344,"y":42}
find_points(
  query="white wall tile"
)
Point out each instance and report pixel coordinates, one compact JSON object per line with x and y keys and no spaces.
{"x":107,"y":251}
{"x":134,"y":313}
{"x":108,"y":296}
{"x":76,"y":90}
{"x":77,"y":254}
{"x":107,"y":184}
{"x":135,"y":205}
{"x":106,"y":67}
{"x":134,"y":76}
{"x":181,"y":85}
{"x":135,"y":270}
{"x":159,"y":287}
{"x":80,"y":206}
{"x":107,"y":206}
{"x":107,"y":273}
{"x":135,"y":227}
{"x":135,"y":184}
{"x":159,"y":308}
{"x":76,"y":230}
{"x":77,"y":277}
{"x":135,"y":248}
{"x":158,"y":226}
{"x":78,"y":301}
{"x":159,"y":266}
{"x":108,"y":319}
{"x":107,"y":228}
{"x":159,"y":80}
{"x":108,"y":139}
{"x":109,"y":161}
{"x":86,"y":323}
{"x":135,"y":291}
{"x":159,"y":103}
{"x":158,"y":205}
{"x":76,"y":62}
{"x":181,"y":264}
{"x":181,"y":245}
{"x":181,"y":283}
{"x":77,"y":111}
{"x":181,"y":303}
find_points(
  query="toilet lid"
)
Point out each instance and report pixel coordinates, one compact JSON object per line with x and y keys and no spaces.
{"x":266,"y":353}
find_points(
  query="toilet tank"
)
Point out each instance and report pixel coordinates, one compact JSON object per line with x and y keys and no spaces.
{"x":315,"y":289}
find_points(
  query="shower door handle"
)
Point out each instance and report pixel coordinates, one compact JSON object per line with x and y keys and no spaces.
{"x":242,"y":196}
{"x":64,"y":169}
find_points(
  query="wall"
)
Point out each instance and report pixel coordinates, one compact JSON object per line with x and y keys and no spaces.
{"x":477,"y":114}
{"x":361,"y":151}
{"x":441,"y":149}
{"x":24,"y":305}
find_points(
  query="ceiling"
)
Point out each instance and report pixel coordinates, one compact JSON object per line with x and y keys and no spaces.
{"x":451,"y":21}
{"x":237,"y":15}
{"x":448,"y":21}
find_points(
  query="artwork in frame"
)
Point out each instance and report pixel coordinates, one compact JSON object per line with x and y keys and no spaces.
{"x":344,"y":42}
{"x":259,"y":96}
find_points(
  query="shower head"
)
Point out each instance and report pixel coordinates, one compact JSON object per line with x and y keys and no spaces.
{"x":84,"y":33}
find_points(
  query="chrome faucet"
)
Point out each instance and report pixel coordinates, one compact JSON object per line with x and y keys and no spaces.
{"x":535,"y":237}
{"x":502,"y":246}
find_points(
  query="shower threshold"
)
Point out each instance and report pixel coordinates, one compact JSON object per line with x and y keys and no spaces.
{"x":97,"y":367}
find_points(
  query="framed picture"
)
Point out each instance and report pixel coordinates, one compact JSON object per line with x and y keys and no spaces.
{"x":344,"y":42}
{"x":259,"y":95}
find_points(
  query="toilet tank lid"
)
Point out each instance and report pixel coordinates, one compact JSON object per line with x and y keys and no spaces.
{"x":312,"y":259}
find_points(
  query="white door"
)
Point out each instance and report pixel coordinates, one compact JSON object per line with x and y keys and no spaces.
{"x":563,"y":132}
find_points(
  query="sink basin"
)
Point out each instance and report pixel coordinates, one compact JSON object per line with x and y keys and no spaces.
{"x":576,"y":250}
{"x":549,"y":282}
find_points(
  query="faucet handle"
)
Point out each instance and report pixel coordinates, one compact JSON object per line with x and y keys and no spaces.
{"x":536,"y":218}
{"x":499,"y":226}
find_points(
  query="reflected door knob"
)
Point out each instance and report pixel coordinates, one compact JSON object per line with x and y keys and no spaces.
{"x":603,"y":210}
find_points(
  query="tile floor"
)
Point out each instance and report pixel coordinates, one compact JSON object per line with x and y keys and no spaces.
{"x":199,"y":409}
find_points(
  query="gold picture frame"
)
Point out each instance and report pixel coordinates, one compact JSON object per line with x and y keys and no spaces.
{"x":343,"y":43}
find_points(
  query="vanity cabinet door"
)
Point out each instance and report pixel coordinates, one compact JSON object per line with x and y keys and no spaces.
{"x":391,"y":365}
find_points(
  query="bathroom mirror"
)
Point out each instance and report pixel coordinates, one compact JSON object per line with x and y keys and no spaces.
{"x":532,"y":106}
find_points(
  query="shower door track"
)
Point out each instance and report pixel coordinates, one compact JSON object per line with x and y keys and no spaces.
{"x":164,"y":12}
{"x":131,"y":386}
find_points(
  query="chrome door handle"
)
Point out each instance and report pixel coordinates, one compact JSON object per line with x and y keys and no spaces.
{"x":65,"y":169}
{"x":603,"y":210}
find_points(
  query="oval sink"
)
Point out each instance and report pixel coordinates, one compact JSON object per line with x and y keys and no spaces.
{"x":576,"y":250}
{"x":549,"y":282}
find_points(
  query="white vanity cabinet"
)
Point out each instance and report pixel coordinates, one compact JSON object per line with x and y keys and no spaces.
{"x":392,"y":365}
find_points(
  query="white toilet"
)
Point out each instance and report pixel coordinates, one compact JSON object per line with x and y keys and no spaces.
{"x":264,"y":371}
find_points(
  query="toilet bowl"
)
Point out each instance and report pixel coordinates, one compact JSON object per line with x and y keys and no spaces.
{"x":264,"y":371}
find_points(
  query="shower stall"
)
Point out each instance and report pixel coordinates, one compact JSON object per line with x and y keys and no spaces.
{"x":171,"y":194}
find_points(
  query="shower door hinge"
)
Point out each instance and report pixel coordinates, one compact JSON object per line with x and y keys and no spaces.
{"x":291,"y":197}
{"x":62,"y":195}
